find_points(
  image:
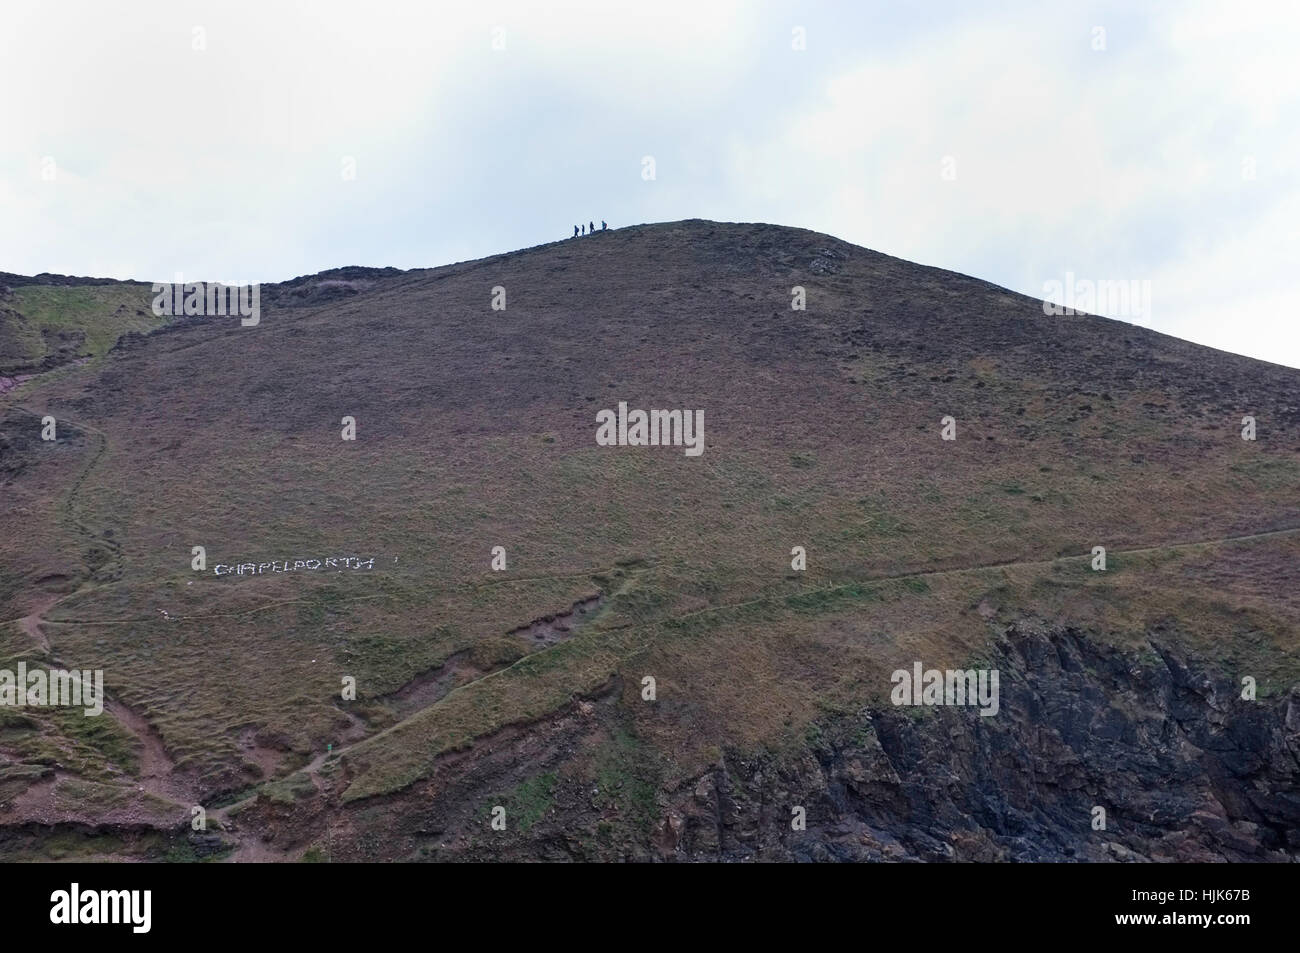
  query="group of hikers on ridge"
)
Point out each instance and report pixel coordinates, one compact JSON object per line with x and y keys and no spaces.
{"x":588,"y":229}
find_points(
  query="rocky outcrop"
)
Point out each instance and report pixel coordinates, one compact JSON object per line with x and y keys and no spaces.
{"x":1183,"y":767}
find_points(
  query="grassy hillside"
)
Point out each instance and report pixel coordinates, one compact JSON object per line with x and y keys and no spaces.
{"x":43,"y":326}
{"x":476,"y":428}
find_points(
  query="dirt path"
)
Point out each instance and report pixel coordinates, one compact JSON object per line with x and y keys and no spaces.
{"x":157,"y":770}
{"x":985,"y":567}
{"x":157,"y":775}
{"x":31,"y":623}
{"x":357,"y":731}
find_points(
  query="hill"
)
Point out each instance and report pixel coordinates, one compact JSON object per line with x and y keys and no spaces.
{"x":524,"y":688}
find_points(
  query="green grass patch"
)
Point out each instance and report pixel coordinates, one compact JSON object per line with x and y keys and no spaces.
{"x":529,"y":801}
{"x":828,"y":600}
{"x":76,"y":321}
{"x":627,"y":779}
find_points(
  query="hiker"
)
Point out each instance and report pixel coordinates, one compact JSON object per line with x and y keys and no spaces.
{"x":584,"y":229}
{"x":591,"y":230}
{"x":603,"y":226}
{"x":575,"y":231}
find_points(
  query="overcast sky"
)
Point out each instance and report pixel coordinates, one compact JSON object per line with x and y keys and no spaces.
{"x":1011,"y":141}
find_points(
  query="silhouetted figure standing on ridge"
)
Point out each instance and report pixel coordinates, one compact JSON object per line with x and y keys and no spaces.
{"x":591,"y":228}
{"x":575,"y":231}
{"x":603,"y":226}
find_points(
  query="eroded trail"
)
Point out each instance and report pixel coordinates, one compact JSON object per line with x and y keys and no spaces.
{"x":30,"y":624}
{"x":458,"y":673}
{"x":157,"y":770}
{"x":157,"y":774}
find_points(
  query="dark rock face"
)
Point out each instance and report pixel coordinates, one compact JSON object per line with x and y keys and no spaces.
{"x":326,"y":287}
{"x":1185,"y":769}
{"x":207,"y":845}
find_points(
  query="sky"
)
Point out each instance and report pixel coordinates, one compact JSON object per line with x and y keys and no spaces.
{"x":1016,"y":142}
